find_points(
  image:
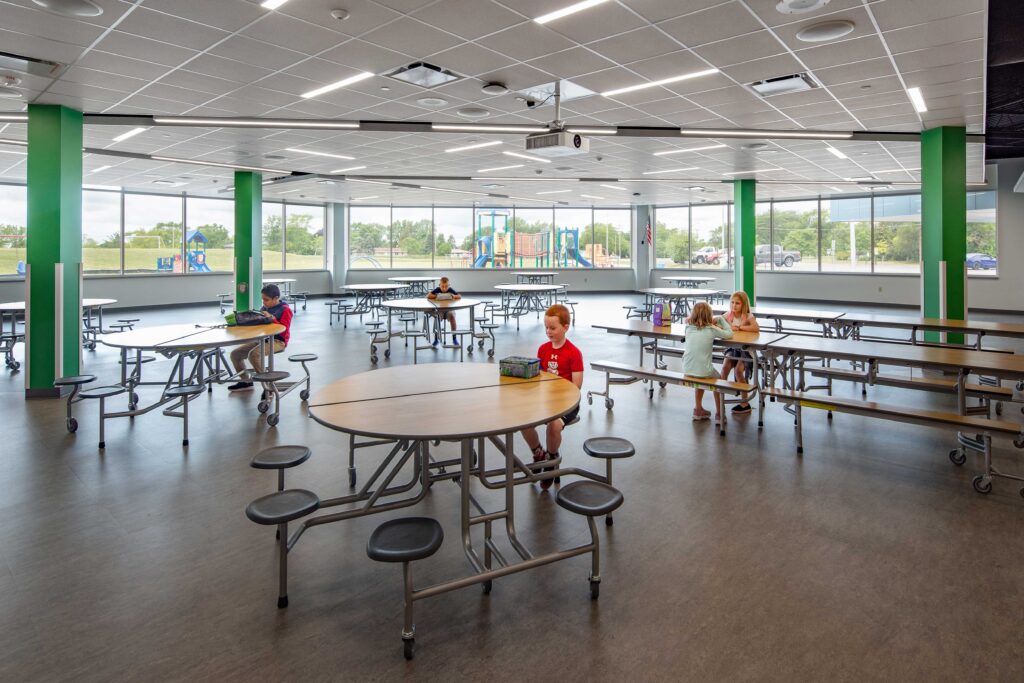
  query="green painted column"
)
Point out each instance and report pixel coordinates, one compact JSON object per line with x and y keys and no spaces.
{"x":248,"y":240}
{"x":53,"y":335}
{"x":744,"y":235}
{"x":944,"y":226}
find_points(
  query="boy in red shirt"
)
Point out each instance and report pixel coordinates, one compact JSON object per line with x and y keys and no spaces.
{"x":558,"y":356}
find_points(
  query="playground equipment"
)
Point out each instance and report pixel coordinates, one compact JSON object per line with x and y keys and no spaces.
{"x":567,"y":249}
{"x":496,"y":247}
{"x":195,"y":248}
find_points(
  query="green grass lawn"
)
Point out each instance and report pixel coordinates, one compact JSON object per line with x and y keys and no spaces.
{"x":99,"y":259}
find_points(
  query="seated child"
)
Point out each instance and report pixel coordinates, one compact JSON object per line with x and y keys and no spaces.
{"x":561,"y":357}
{"x":701,"y":331}
{"x":444,"y":292}
{"x":740,"y":319}
{"x":275,"y":311}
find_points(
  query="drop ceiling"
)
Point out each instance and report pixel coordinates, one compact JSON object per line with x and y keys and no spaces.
{"x":234,"y":58}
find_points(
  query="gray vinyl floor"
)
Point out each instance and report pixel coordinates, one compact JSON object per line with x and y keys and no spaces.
{"x":868,"y":558}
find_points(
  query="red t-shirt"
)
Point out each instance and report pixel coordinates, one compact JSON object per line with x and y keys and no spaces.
{"x":562,"y":362}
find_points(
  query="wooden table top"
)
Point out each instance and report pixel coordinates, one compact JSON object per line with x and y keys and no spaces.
{"x":936,"y":324}
{"x":677,"y":332}
{"x":373,"y":287}
{"x":678,"y":292}
{"x":86,"y":303}
{"x":787,"y":313}
{"x":938,"y":357}
{"x":184,"y":336}
{"x":527,"y":288}
{"x":474,"y":402}
{"x":415,"y":278}
{"x":421,"y":304}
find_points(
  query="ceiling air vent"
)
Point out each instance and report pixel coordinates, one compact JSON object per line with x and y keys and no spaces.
{"x":784,"y":85}
{"x":424,"y":75}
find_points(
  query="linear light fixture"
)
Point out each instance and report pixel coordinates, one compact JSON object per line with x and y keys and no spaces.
{"x":13,"y":117}
{"x":130,"y":134}
{"x":533,"y":199}
{"x":499,"y":168}
{"x":750,"y":133}
{"x":662,"y":81}
{"x":229,"y":122}
{"x":197,"y":162}
{"x":272,"y":4}
{"x":101,"y":168}
{"x":486,"y":128}
{"x":13,"y":151}
{"x":591,"y":196}
{"x":319,"y":154}
{"x":610,"y":130}
{"x":363,"y":199}
{"x":527,"y":180}
{"x":526,"y":156}
{"x":445,"y":189}
{"x":478,"y":145}
{"x":836,"y":153}
{"x":898,"y":170}
{"x":835,"y":189}
{"x":566,"y":11}
{"x":668,"y":152}
{"x":369,"y":182}
{"x":859,"y":179}
{"x":756,"y":170}
{"x":350,"y":168}
{"x":918,"y":99}
{"x":554,"y":191}
{"x":361,"y":76}
{"x":670,"y":170}
{"x":9,"y":141}
{"x":615,"y":187}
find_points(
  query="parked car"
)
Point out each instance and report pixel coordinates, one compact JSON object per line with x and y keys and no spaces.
{"x":706,"y":255}
{"x":780,"y":257}
{"x":981,"y":262}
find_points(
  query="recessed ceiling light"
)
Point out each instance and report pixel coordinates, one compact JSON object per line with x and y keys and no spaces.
{"x":350,"y":168}
{"x":825,"y":31}
{"x":340,"y":84}
{"x":663,"y":81}
{"x":101,"y":168}
{"x":432,"y":101}
{"x":918,"y":99}
{"x":527,"y":156}
{"x":13,"y":151}
{"x":494,"y":89}
{"x":898,"y":170}
{"x":591,"y":196}
{"x":695,"y":188}
{"x":499,"y":168}
{"x":71,"y":8}
{"x":363,"y":199}
{"x":670,"y":170}
{"x":492,"y":186}
{"x":526,"y":180}
{"x":445,"y":189}
{"x":486,"y":128}
{"x":668,"y":152}
{"x":326,"y":182}
{"x":9,"y":141}
{"x":319,"y":154}
{"x":272,"y":4}
{"x":858,"y":179}
{"x":610,"y":130}
{"x":834,"y":188}
{"x":473,"y":113}
{"x":130,"y":134}
{"x":477,"y":145}
{"x":615,"y":187}
{"x":555,"y":192}
{"x":757,"y":170}
{"x":836,"y":153}
{"x":169,"y":183}
{"x":566,"y":11}
{"x":198,"y":162}
{"x":368,"y":182}
{"x":799,"y":6}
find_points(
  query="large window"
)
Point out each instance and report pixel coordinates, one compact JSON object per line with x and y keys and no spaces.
{"x":368,"y":237}
{"x":846,"y":235}
{"x":101,"y":232}
{"x":13,"y":211}
{"x":493,"y":238}
{"x":453,"y":238}
{"x":411,"y":237}
{"x":982,"y":246}
{"x":612,"y":234}
{"x":762,"y":247}
{"x":795,"y":235}
{"x":209,"y":235}
{"x":897,"y":237}
{"x":709,"y":236}
{"x":273,"y":236}
{"x":672,"y":236}
{"x":531,"y":238}
{"x":575,"y":243}
{"x":152,"y":234}
{"x":304,"y":236}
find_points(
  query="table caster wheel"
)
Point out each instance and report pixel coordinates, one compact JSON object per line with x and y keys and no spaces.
{"x":72,"y":425}
{"x":595,"y":590}
{"x":608,"y":521}
{"x":263,"y":407}
{"x":662,"y":384}
{"x":1019,"y":442}
{"x":487,"y":587}
{"x":409,"y":647}
{"x":609,"y":403}
{"x":373,"y":359}
{"x":480,"y":344}
{"x":272,"y":420}
{"x":387,"y":353}
{"x":490,"y":354}
{"x":304,"y":394}
{"x":957,"y":457}
{"x":15,"y":365}
{"x":590,"y":400}
{"x":982,"y":484}
{"x":135,"y":398}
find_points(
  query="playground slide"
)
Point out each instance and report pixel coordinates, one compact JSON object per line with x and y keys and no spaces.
{"x":583,"y":262}
{"x":481,"y":261}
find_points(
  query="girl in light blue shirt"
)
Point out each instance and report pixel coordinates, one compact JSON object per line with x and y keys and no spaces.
{"x":701,"y":331}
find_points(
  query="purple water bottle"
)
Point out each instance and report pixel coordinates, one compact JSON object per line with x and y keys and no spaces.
{"x":657,"y":314}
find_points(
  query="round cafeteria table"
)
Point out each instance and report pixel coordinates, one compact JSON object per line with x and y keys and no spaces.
{"x":417,"y":284}
{"x":437,"y":310}
{"x":535,"y":277}
{"x":400,"y":405}
{"x":369,"y":295}
{"x":528,"y":298}
{"x":679,"y":296}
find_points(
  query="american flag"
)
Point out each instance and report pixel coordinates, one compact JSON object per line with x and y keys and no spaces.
{"x":647,"y":231}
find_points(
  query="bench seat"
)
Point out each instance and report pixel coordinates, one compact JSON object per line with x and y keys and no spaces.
{"x":671,"y":377}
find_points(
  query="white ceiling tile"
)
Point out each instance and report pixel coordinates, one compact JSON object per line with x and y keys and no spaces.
{"x":527,"y":41}
{"x":257,"y":53}
{"x":761,"y":69}
{"x":718,"y":23}
{"x":835,"y":9}
{"x":944,"y":55}
{"x":293,"y":34}
{"x":941,"y":32}
{"x":145,"y":49}
{"x":892,"y":15}
{"x":851,"y":73}
{"x":945,"y":74}
{"x":470,"y":59}
{"x":842,"y":52}
{"x":411,"y":37}
{"x":39,"y":48}
{"x":469,"y":19}
{"x":635,"y":45}
{"x":228,"y":15}
{"x":364,"y":15}
{"x":599,"y":22}
{"x":659,"y":10}
{"x":227,"y":69}
{"x":38,"y":23}
{"x":100,"y":79}
{"x":571,"y":63}
{"x":367,"y":57}
{"x":736,"y":50}
{"x":161,"y":26}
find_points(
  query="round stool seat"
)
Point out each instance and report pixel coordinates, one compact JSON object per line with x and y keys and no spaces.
{"x":608,"y":447}
{"x":590,"y":498}
{"x":271,"y":376}
{"x":414,"y":333}
{"x":303,"y":357}
{"x":282,"y":506}
{"x":102,"y":392}
{"x":405,"y":540}
{"x":185,"y":390}
{"x":375,"y":323}
{"x":73,"y":380}
{"x":121,"y":327}
{"x":280,"y":457}
{"x":132,"y":360}
{"x":490,"y":326}
{"x":128,"y":320}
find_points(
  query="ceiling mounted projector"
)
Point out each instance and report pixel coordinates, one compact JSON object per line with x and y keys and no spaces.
{"x":557,"y":144}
